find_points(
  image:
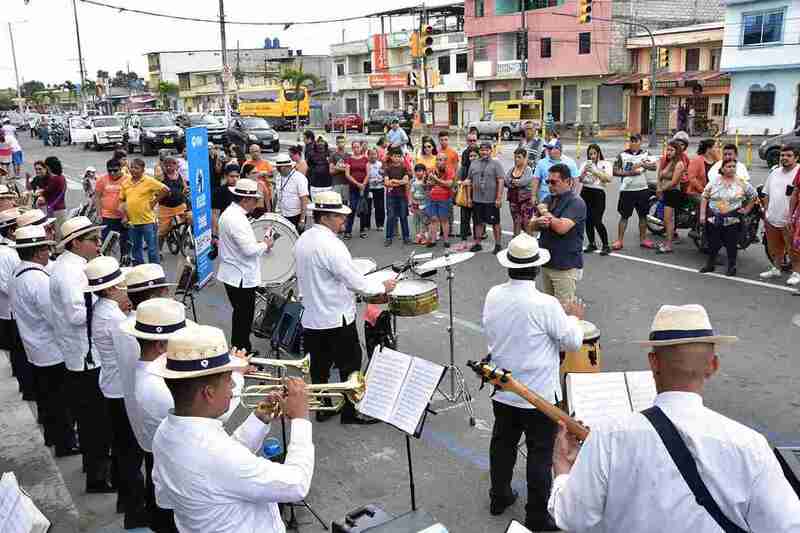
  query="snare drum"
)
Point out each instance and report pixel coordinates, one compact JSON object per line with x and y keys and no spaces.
{"x":414,"y":298}
{"x":589,"y":358}
{"x":378,"y":278}
{"x":277,"y":266}
{"x":364,"y":265}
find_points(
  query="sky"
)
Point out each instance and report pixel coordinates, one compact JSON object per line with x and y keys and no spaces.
{"x":46,"y":47}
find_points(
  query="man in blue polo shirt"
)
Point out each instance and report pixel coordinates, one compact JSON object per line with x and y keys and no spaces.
{"x":554,"y":156}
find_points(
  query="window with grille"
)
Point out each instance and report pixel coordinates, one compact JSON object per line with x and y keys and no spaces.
{"x":340,"y":69}
{"x":479,"y":8}
{"x":367,"y":66}
{"x":716,"y":56}
{"x":461,"y":63}
{"x":546,"y":47}
{"x":761,"y":100}
{"x":542,"y":4}
{"x":585,"y":43}
{"x":481,"y":48}
{"x":762,"y":27}
{"x":444,"y":65}
{"x":692,"y":59}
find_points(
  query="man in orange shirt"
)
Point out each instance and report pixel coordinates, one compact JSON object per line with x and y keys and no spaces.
{"x":264,"y":176}
{"x":106,"y":197}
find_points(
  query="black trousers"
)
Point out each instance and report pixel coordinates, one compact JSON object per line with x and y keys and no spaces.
{"x":20,"y":366}
{"x":509,"y":425}
{"x":51,"y":405}
{"x":464,"y":226}
{"x":161,"y":520}
{"x":128,"y":457}
{"x":335,"y":346}
{"x":94,"y":427}
{"x":243,"y":301}
{"x":377,"y":199}
{"x":719,"y":236}
{"x":595,"y":200}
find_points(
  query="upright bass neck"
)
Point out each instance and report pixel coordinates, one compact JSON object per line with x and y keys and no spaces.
{"x":503,"y":380}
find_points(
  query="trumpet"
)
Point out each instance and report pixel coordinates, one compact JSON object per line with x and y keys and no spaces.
{"x":303,"y":365}
{"x":254,"y":396}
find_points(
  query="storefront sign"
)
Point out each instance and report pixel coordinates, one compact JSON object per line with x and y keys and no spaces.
{"x":379,"y":53}
{"x":384,"y":79}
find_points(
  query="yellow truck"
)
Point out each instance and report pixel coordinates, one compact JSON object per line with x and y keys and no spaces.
{"x":277,"y":104}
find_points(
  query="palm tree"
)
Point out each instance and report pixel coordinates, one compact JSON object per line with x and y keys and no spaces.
{"x":165,"y":90}
{"x":298,"y":79}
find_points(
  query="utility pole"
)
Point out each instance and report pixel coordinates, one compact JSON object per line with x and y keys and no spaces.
{"x":224,"y":45}
{"x":80,"y":53}
{"x":426,"y":104}
{"x":523,"y":70}
{"x":16,"y":73}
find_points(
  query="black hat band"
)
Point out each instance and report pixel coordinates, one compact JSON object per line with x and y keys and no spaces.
{"x":147,"y":284}
{"x":105,"y":279}
{"x":196,"y":365}
{"x":673,"y":334}
{"x":522,"y":261}
{"x":327,"y":206}
{"x":159,"y":330}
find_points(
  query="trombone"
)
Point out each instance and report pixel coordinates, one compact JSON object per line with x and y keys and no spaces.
{"x":354,"y":388}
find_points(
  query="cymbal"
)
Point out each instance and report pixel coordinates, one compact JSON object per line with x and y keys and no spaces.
{"x":445,"y":261}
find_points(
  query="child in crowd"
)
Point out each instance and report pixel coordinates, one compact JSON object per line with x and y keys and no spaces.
{"x":396,"y":183}
{"x":420,"y":198}
{"x":376,"y":193}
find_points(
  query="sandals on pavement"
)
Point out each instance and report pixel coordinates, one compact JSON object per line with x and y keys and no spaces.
{"x":663,"y":250}
{"x":616,"y":245}
{"x":647,"y":243}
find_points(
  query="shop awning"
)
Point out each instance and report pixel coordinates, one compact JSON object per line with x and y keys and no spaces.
{"x":669,"y":77}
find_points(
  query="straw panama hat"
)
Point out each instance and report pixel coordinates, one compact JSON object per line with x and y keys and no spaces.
{"x":195,"y":352}
{"x":246,"y":187}
{"x":683,"y":324}
{"x":30,"y":236}
{"x":103,"y":272}
{"x":283,"y":160}
{"x":157,"y":319}
{"x":523,"y":252}
{"x":9,"y":217}
{"x":146,"y":276}
{"x":75,"y":227}
{"x":329,"y":202}
{"x":34,"y":217}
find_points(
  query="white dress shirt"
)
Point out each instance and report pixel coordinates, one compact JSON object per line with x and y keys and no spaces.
{"x":154,"y":402}
{"x":127,"y":349}
{"x":239,"y":250}
{"x":67,"y":282}
{"x":8,"y":262}
{"x":625,"y":480}
{"x":214,"y":481}
{"x":290,"y":189}
{"x":106,"y":318}
{"x":326,"y":275}
{"x":741,"y":171}
{"x":526,"y":329}
{"x":30,"y":303}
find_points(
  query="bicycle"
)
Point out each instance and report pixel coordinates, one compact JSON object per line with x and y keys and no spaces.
{"x":179,"y":238}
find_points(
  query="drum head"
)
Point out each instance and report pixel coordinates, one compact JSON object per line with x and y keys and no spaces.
{"x":382,"y":275}
{"x":590,"y":331}
{"x":278,"y":265}
{"x":413,"y":287}
{"x":364,"y":264}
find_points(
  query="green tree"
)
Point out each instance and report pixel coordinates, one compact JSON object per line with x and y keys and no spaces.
{"x":165,"y":90}
{"x":102,"y":74}
{"x":30,"y":87}
{"x":298,"y":78}
{"x":7,"y":99}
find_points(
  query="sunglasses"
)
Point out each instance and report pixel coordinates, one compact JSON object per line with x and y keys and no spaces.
{"x":553,"y":182}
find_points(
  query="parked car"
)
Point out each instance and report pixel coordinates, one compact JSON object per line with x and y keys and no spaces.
{"x":151,"y":131}
{"x":379,"y":120}
{"x":507,"y":118}
{"x":96,"y":131}
{"x":245,"y":131}
{"x":770,"y":149}
{"x":216,"y":131}
{"x":345,"y":121}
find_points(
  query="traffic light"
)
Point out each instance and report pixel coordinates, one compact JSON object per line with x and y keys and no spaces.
{"x":426,"y":40}
{"x":413,"y":43}
{"x":412,"y":79}
{"x":584,"y":11}
{"x":663,"y":58}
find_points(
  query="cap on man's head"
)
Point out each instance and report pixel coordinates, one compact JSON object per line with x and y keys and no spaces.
{"x":635,"y":137}
{"x":486,"y":144}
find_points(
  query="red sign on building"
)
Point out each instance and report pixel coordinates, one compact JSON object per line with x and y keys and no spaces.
{"x":386,"y":79}
{"x":380,"y":61}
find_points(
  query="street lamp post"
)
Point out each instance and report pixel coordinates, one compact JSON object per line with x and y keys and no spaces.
{"x":16,"y":72}
{"x":80,"y":54}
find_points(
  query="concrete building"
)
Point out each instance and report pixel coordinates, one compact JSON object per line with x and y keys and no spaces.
{"x":691,"y":77}
{"x":568,"y":62}
{"x":762,"y":54}
{"x":455,"y":100}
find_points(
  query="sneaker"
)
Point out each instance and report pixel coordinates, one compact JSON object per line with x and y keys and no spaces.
{"x":591,"y":248}
{"x":387,"y":242}
{"x":446,"y":244}
{"x":363,"y":234}
{"x":605,"y":251}
{"x":771,"y":273}
{"x":379,"y":228}
{"x":407,"y":241}
{"x":476,"y":248}
{"x":794,"y":279}
{"x":347,"y":236}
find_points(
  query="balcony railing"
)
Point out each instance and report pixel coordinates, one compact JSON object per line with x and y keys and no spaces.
{"x":353,"y":81}
{"x":509,"y":68}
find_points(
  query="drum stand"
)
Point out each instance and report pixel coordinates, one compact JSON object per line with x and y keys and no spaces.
{"x":458,"y":385}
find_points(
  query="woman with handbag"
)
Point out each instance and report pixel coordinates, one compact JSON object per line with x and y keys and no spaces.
{"x":520,"y":194}
{"x":464,"y":194}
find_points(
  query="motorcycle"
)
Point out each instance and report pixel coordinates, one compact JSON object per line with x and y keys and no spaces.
{"x":56,"y":133}
{"x":687,"y":217}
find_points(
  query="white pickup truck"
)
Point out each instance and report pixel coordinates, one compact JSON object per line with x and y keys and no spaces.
{"x":95,"y":132}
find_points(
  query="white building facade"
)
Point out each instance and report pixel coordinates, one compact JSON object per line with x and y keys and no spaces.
{"x":761,"y":51}
{"x":455,"y":100}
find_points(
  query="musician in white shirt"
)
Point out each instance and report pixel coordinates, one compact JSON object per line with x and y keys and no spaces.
{"x":292,"y":190}
{"x":327,"y":278}
{"x":623,"y":478}
{"x":214,"y":481}
{"x":81,"y":243}
{"x":240,"y":254}
{"x":29,"y":299}
{"x":525,"y":330}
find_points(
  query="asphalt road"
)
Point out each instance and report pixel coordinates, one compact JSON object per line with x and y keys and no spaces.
{"x":757,"y":383}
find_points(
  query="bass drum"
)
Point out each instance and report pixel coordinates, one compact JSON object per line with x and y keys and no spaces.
{"x":277,"y":266}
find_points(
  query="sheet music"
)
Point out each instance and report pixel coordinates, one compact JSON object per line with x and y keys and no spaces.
{"x":420,"y":383}
{"x":641,"y":388}
{"x":595,"y":397}
{"x":385,"y":377}
{"x":14,"y":517}
{"x":516,"y":527}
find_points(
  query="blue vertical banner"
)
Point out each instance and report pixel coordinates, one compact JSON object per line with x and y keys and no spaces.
{"x":200,"y":188}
